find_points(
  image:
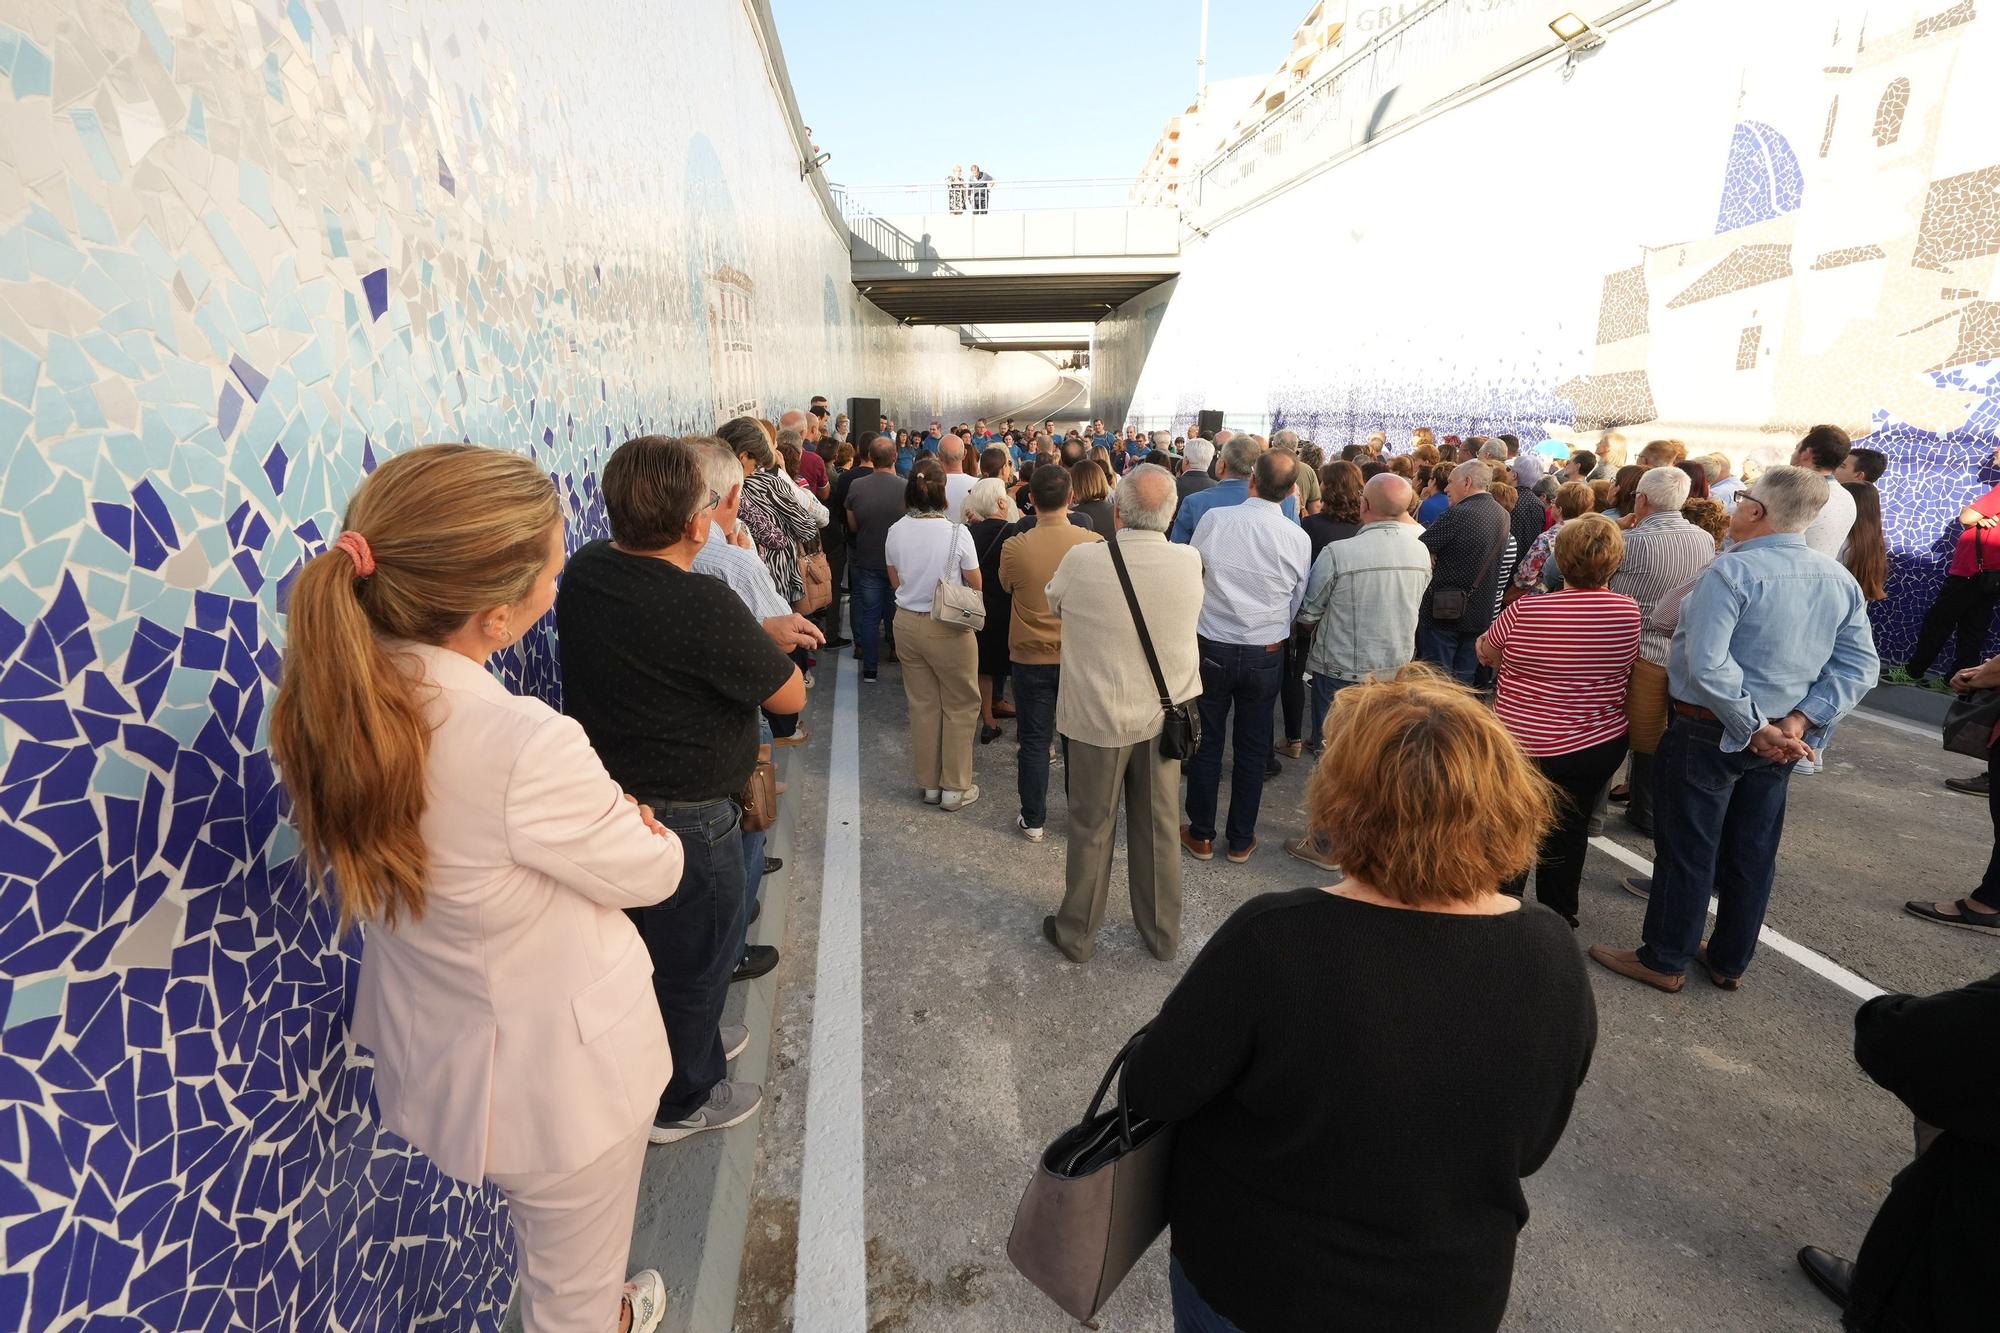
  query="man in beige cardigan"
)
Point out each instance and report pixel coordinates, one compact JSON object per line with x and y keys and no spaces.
{"x":1109,"y":711}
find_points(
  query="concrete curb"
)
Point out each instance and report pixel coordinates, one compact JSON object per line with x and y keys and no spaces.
{"x":1909,"y":701}
{"x":694,"y":1197}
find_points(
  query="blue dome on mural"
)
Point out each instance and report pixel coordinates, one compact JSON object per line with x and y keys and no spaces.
{"x":1763,"y":179}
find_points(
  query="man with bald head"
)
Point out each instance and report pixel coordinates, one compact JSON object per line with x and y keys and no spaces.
{"x":957,"y":481}
{"x":1362,"y":600}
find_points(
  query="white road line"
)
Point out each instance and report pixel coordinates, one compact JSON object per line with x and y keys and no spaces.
{"x":1897,"y":724}
{"x":830,"y":1288}
{"x":1853,"y":983}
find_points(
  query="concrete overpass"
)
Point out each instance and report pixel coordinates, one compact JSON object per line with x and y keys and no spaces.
{"x":1049,"y":266}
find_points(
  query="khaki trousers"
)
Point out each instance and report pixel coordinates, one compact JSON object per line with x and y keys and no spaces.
{"x":1152,"y":788}
{"x":1646,"y":705}
{"x":941,"y":682}
{"x":573,"y":1235}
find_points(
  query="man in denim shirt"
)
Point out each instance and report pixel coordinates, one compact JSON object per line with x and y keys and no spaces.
{"x":1772,"y":649}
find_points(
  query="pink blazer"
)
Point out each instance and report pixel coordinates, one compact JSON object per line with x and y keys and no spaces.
{"x":514,"y":1025}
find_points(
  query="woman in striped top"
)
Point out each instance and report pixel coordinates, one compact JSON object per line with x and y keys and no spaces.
{"x":1565,"y":661}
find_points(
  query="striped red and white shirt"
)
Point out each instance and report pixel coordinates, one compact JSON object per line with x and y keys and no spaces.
{"x":1565,"y":662}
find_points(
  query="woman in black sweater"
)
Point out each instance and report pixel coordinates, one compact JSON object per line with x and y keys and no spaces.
{"x":1364,"y":1074}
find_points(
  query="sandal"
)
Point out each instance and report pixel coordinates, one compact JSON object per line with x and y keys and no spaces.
{"x":1964,"y":917}
{"x":1622,"y":792}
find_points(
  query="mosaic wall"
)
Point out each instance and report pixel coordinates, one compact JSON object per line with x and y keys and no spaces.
{"x":246,"y":251}
{"x":1812,"y":235}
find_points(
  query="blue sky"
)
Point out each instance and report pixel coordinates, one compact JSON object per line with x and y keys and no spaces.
{"x":1026,"y":88}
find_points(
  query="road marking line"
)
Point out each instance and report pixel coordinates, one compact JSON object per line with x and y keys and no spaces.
{"x":1895,"y":723}
{"x":830,"y":1285}
{"x":1853,"y":983}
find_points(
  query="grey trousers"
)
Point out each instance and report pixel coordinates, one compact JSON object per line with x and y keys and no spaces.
{"x":1150,"y":786}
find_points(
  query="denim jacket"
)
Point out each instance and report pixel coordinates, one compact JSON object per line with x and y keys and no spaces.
{"x":1770,"y":627}
{"x":1364,"y":592}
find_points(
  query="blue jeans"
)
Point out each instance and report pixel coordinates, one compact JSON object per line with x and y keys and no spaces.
{"x":1192,"y":1314}
{"x":1449,"y":651}
{"x":695,"y":939}
{"x":1035,"y":687}
{"x":1246,"y":679}
{"x":1323,"y":690}
{"x":873,"y":608}
{"x":1723,"y":815}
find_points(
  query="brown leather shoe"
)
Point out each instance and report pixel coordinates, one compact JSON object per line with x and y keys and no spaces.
{"x":1237,"y":858}
{"x":1201,"y":849}
{"x":1625,"y":962}
{"x":1723,"y":982}
{"x":1291,"y":749}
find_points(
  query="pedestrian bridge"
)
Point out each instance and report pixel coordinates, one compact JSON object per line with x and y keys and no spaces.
{"x":1034,"y":265}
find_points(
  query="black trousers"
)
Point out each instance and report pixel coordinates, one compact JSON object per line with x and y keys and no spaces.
{"x":1964,"y":607}
{"x":1580,"y":776}
{"x":1292,"y":694}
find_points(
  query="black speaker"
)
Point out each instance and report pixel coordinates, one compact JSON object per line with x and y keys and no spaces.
{"x":863,"y":414}
{"x":1209,"y":423}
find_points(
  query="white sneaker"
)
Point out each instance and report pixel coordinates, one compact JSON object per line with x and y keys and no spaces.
{"x":646,"y":1293}
{"x":735,"y":1037}
{"x":730,"y":1102}
{"x":1031,"y":834}
{"x":1805,"y":768}
{"x":932,"y":796}
{"x":957,"y":800}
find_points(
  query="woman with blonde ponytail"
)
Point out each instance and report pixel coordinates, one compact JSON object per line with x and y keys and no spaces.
{"x":477,"y":838}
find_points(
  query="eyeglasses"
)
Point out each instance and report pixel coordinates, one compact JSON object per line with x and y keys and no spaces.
{"x":714,"y":501}
{"x":1741,"y":496}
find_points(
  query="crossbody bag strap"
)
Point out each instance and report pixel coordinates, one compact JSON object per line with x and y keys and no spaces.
{"x":1506,"y":531}
{"x":1139,"y":622}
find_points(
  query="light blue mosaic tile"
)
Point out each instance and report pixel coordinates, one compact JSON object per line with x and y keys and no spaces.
{"x":91,"y":131}
{"x":149,"y":24}
{"x":32,"y":71}
{"x":57,"y":511}
{"x":253,"y":188}
{"x":92,"y":222}
{"x":53,"y":414}
{"x":27,"y":476}
{"x":57,"y":260}
{"x":184,"y":724}
{"x":13,"y":538}
{"x":84,"y":407}
{"x":231,"y":245}
{"x":20,"y":369}
{"x":118,"y":776}
{"x":93,"y":550}
{"x":197,"y":121}
{"x":79,"y":454}
{"x":36,"y":1000}
{"x":17,"y":599}
{"x":42,"y":565}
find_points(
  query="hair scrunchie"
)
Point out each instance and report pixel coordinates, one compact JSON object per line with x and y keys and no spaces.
{"x":357,"y":550}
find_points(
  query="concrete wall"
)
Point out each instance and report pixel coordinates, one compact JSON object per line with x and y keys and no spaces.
{"x":247,"y":249}
{"x":1732,"y":222}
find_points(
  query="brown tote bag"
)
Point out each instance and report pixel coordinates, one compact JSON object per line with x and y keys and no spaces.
{"x":1097,"y":1202}
{"x":759,"y":798}
{"x":816,"y":575}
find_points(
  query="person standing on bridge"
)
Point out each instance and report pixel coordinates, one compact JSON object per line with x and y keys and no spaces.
{"x":955,"y":190}
{"x":981,"y":185}
{"x":1772,"y":649}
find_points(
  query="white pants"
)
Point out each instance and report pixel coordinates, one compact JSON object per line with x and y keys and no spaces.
{"x":573,"y":1235}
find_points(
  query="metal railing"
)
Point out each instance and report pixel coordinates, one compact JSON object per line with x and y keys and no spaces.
{"x":1394,"y":76}
{"x":976,"y":197}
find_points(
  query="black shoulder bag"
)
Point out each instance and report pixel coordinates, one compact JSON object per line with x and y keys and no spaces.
{"x":1180,"y":726}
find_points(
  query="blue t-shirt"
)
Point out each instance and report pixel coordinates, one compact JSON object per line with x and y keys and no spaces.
{"x":1432,"y":509}
{"x":906,"y":458}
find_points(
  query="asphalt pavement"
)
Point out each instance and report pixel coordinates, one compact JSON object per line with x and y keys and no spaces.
{"x":1716,"y":1134}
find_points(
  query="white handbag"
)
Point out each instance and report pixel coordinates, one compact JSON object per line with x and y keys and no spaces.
{"x":955,"y":604}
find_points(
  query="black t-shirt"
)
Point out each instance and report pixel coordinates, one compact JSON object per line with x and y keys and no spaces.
{"x":1324,"y":528}
{"x":664,"y":668}
{"x":876,"y":500}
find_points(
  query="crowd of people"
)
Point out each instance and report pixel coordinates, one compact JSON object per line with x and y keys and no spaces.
{"x":1467,"y":638}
